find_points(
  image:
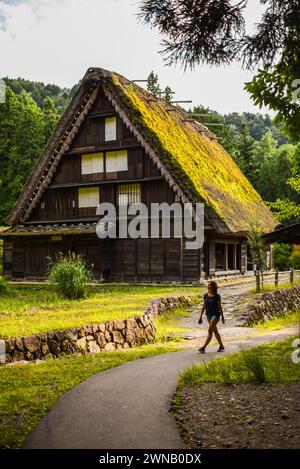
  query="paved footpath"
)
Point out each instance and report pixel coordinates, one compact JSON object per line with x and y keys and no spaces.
{"x":128,"y":406}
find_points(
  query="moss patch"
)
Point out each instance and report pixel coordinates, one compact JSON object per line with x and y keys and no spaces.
{"x":204,"y":167}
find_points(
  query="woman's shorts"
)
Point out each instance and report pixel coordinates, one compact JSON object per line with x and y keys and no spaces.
{"x":215,"y":318}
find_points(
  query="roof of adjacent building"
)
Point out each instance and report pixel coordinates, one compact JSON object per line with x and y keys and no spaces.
{"x":186,"y":153}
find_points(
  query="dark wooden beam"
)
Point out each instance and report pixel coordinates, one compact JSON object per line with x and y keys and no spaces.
{"x":103,"y":182}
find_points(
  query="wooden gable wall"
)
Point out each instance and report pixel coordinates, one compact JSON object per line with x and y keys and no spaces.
{"x":60,"y":200}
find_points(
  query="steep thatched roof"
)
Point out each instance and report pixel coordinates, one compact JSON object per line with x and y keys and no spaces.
{"x":188,"y":155}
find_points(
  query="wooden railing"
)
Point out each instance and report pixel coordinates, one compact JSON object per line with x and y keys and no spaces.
{"x":275,"y":277}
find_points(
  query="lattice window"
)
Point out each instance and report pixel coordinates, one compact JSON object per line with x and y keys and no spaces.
{"x":129,"y":194}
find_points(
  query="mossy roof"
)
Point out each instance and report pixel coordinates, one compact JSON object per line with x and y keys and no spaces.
{"x":199,"y":163}
{"x":196,"y":162}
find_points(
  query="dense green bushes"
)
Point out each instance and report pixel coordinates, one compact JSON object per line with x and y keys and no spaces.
{"x":286,"y":256}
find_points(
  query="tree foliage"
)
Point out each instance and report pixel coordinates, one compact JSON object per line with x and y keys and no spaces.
{"x":40,"y":92}
{"x":213,"y":32}
{"x":257,"y":248}
{"x":281,"y":256}
{"x":153,"y":87}
{"x":24,"y":130}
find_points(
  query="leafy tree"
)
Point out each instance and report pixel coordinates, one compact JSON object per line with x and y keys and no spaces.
{"x":153,"y":87}
{"x":257,"y":248}
{"x":206,"y":115}
{"x":285,"y":210}
{"x":278,"y":88}
{"x":281,"y":256}
{"x":168,"y":93}
{"x":213,"y":32}
{"x":40,"y":92}
{"x":22,"y":138}
{"x":263,"y":160}
{"x":295,"y":257}
{"x":246,"y":148}
{"x":50,"y":116}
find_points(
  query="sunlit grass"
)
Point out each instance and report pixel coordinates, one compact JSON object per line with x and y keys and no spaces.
{"x":271,"y":363}
{"x":289,"y":319}
{"x":268,"y":287}
{"x":29,"y":309}
{"x":168,"y":327}
{"x":27,"y":392}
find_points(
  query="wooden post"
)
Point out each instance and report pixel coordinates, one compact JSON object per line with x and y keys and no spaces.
{"x":292,"y":276}
{"x":257,"y":281}
{"x":276,"y":278}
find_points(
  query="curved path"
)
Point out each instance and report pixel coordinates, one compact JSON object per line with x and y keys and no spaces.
{"x":128,"y":406}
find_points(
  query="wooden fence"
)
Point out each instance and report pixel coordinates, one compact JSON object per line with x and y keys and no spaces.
{"x":275,"y":278}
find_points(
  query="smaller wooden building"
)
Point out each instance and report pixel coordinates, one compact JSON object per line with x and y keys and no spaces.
{"x":118,"y":143}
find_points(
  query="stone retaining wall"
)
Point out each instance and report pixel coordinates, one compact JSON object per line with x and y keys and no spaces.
{"x":271,"y":305}
{"x":96,"y":338}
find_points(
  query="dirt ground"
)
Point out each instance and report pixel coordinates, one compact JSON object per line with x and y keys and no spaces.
{"x":240,"y":416}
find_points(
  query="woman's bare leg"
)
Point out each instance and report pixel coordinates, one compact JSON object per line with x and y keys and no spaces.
{"x":211,"y":330}
{"x":218,"y":337}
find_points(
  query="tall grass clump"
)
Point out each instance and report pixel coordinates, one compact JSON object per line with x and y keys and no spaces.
{"x":71,"y":275}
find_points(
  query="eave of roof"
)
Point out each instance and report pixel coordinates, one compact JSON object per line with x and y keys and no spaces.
{"x":49,"y":230}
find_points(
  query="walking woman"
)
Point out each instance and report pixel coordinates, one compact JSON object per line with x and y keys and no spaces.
{"x":213,"y":309}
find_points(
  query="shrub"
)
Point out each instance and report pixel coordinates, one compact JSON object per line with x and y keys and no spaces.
{"x":281,"y":256}
{"x":3,"y":285}
{"x":295,"y":257}
{"x":254,"y":366}
{"x":70,"y":274}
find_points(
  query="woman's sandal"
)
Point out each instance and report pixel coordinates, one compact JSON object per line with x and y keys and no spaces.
{"x":221,"y":348}
{"x":201,"y":350}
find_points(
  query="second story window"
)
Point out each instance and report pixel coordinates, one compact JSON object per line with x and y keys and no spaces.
{"x":88,"y":197}
{"x":116,"y":161}
{"x":129,"y":194}
{"x":110,"y":129}
{"x":92,"y":163}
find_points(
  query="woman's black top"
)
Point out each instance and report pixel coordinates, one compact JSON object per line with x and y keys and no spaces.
{"x":212,"y":305}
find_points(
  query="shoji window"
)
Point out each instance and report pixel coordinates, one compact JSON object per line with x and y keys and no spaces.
{"x":92,"y":164}
{"x":88,"y":197}
{"x":110,"y":129}
{"x":129,"y":194}
{"x":116,"y":161}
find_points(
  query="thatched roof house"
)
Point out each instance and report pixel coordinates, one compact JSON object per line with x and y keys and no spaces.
{"x":169,"y":156}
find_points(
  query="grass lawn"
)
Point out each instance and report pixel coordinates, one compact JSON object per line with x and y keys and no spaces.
{"x":271,"y":287}
{"x":29,"y":309}
{"x":27,"y":392}
{"x":289,"y":319}
{"x":270,"y":363}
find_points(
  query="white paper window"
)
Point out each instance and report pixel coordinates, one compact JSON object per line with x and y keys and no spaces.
{"x":88,"y":197}
{"x":116,"y":161}
{"x":92,"y":164}
{"x":129,"y":194}
{"x":110,"y":129}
